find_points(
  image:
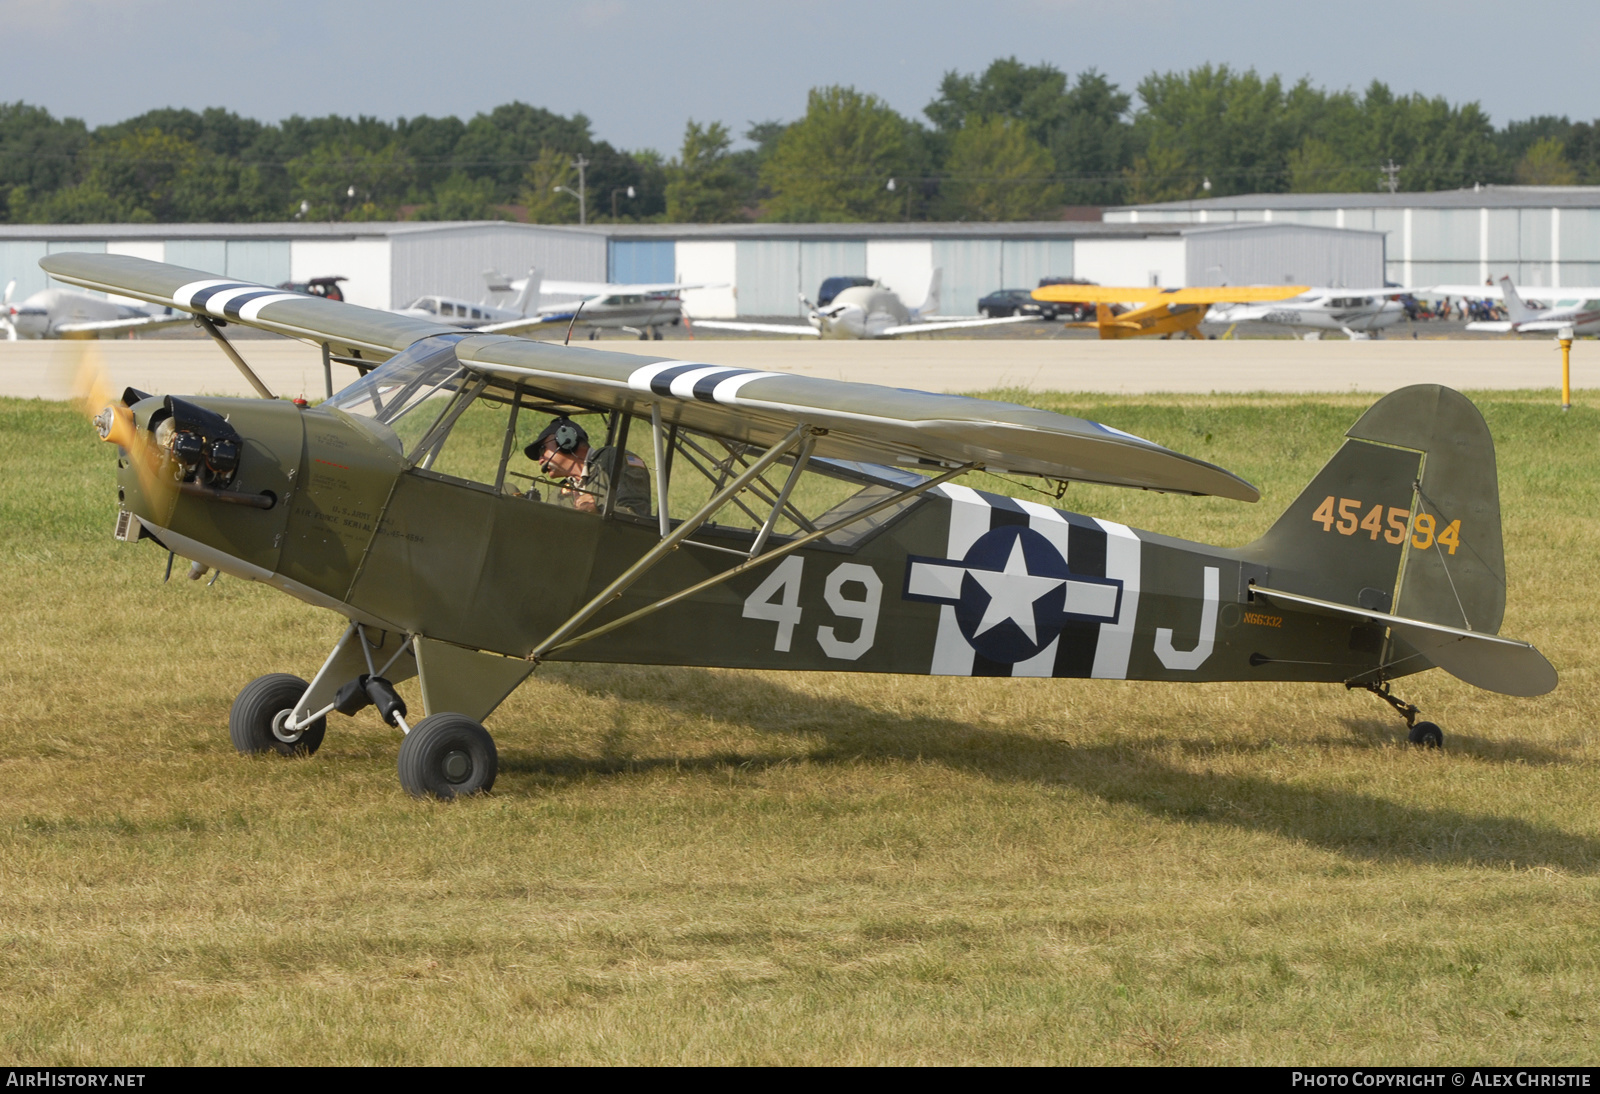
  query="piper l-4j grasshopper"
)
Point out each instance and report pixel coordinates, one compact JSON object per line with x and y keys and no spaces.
{"x":840,"y":541}
{"x":1163,"y":312}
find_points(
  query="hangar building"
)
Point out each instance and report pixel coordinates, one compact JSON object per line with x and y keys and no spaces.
{"x":760,"y":269}
{"x":1541,"y":236}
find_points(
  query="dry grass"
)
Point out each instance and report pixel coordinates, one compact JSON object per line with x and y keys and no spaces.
{"x":706,"y":866}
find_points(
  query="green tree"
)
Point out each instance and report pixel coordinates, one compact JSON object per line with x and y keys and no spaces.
{"x":1545,"y":164}
{"x":1083,"y":127}
{"x":704,"y":185}
{"x":835,"y":163}
{"x":1163,"y":173}
{"x":461,"y":198}
{"x":544,"y":205}
{"x":350,"y":182}
{"x":1214,"y":123}
{"x":148,"y":176}
{"x":996,"y":171}
{"x":1318,"y":167}
{"x":38,"y":153}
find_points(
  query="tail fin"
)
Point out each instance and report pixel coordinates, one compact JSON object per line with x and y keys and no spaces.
{"x":1404,"y":519}
{"x":1516,"y":310}
{"x":531,"y":289}
{"x":931,"y":304}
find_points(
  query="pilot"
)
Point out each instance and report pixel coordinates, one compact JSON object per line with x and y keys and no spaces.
{"x":562,"y":452}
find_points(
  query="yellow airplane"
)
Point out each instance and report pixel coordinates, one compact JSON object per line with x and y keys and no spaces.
{"x":1161,"y":311}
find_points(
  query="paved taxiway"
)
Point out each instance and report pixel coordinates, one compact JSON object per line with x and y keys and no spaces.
{"x":46,"y":369}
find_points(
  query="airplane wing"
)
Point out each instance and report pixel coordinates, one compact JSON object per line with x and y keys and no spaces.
{"x":601,"y":288}
{"x":1208,"y":294}
{"x":856,"y":421}
{"x":804,"y":331}
{"x":1482,"y":660}
{"x":1491,"y":326}
{"x":527,"y":322}
{"x":349,"y":330}
{"x":1527,"y":292}
{"x":1533,"y":326}
{"x":119,"y":326}
{"x":954,"y":324}
{"x":863,"y":422}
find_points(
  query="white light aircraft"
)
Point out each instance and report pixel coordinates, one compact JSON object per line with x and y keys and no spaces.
{"x":641,"y":309}
{"x":1359,"y":313}
{"x":867,"y":311}
{"x":64,"y":313}
{"x":1578,"y":308}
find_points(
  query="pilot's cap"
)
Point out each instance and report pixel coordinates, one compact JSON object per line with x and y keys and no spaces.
{"x":568,"y":435}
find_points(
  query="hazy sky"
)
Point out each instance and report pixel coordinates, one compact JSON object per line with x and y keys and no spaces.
{"x":638,"y":70}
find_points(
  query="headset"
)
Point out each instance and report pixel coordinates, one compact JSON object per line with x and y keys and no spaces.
{"x":567,"y":434}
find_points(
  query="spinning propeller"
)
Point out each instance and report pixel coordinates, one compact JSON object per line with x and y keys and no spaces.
{"x":7,"y":318}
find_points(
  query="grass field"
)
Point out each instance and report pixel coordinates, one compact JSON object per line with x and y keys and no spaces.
{"x":703,"y":866}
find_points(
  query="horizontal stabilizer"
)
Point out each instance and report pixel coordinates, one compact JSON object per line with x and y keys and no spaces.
{"x":1482,"y":660}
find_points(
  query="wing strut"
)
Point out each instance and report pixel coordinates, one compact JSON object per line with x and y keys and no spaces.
{"x":558,"y":642}
{"x":668,"y":544}
{"x":233,"y":355}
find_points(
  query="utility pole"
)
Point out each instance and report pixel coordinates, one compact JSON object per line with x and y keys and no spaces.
{"x":1389,"y":175}
{"x":583,"y":200}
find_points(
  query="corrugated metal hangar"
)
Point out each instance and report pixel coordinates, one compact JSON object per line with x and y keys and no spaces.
{"x":1541,"y":236}
{"x":763,"y":269}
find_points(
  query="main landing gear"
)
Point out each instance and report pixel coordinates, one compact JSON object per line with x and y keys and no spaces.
{"x":1422,"y":734}
{"x":442,"y":756}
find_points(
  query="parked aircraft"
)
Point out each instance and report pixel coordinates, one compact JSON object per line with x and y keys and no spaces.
{"x":1356,"y":312}
{"x":1163,"y":312}
{"x":63,"y":313}
{"x":392,"y":506}
{"x":1578,"y":308}
{"x":641,"y":309}
{"x":866,"y":311}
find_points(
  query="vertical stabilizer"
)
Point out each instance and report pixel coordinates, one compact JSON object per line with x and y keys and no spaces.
{"x":1404,"y":519}
{"x":930,"y":304}
{"x":1516,"y":310}
{"x":529,"y":300}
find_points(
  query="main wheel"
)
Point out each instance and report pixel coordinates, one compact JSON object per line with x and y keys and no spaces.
{"x":256,"y":719}
{"x":447,"y":756}
{"x":1427,"y":735}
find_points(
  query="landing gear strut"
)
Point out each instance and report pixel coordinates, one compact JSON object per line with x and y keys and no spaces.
{"x":1426,"y":734}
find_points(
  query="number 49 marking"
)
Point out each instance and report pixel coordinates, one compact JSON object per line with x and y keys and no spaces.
{"x":777,"y":600}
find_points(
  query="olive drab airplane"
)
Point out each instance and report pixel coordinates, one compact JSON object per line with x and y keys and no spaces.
{"x":790,"y":522}
{"x":1162,"y":312}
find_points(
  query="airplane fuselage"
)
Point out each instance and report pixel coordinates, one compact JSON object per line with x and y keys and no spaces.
{"x":1331,"y":312}
{"x":958,"y":582}
{"x":40,"y":314}
{"x":865,"y":311}
{"x":615,"y":311}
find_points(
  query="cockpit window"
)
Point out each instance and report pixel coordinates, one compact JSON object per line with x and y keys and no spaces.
{"x":402,"y":399}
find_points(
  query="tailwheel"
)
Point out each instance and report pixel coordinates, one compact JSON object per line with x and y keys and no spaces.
{"x":447,"y":756}
{"x":1427,"y":735}
{"x":259,"y":718}
{"x":1424,"y":734}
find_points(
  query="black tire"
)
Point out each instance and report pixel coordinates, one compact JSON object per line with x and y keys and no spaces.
{"x":1427,"y":735}
{"x":447,"y":756}
{"x":256,"y":714}
{"x":988,"y":313}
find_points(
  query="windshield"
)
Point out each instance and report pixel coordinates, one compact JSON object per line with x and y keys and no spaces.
{"x":401,"y":399}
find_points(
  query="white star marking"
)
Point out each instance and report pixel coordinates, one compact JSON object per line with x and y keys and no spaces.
{"x":1012,"y":593}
